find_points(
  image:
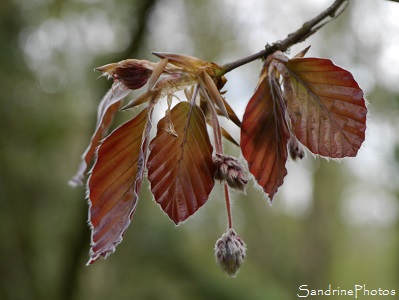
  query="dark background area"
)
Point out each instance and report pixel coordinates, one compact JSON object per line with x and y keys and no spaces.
{"x":331,"y":223}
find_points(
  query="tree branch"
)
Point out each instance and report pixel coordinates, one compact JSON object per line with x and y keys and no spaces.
{"x":298,"y":36}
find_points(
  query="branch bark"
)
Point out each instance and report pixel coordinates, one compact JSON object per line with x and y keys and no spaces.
{"x":298,"y":36}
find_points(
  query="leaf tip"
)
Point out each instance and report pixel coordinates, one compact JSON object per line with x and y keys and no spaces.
{"x":303,"y":52}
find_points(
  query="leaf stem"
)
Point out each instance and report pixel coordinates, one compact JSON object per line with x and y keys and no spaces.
{"x":298,"y":36}
{"x":194,"y":95}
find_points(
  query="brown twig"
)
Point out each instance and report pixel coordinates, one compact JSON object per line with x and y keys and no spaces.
{"x":298,"y":36}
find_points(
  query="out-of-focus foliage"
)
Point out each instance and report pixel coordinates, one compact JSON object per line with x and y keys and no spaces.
{"x":331,"y":223}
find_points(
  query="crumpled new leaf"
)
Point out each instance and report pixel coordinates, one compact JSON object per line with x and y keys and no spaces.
{"x":107,"y":108}
{"x":180,"y":169}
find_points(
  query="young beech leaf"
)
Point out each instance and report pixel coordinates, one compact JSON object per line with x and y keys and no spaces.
{"x":325,"y":105}
{"x":108,"y":106}
{"x":180,"y":169}
{"x":115,"y":182}
{"x":264,"y":137}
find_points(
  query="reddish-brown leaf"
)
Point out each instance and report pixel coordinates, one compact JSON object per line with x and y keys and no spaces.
{"x":114,"y":184}
{"x":264,"y":137}
{"x":180,"y":169}
{"x":325,"y":105}
{"x":107,"y":108}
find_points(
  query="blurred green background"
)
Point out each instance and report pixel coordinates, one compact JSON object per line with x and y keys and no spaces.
{"x":331,"y":223}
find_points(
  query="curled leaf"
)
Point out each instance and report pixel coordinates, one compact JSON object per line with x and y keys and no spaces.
{"x":214,"y":93}
{"x":108,"y":106}
{"x":158,"y":70}
{"x":264,"y":137}
{"x":185,"y":62}
{"x":152,"y":96}
{"x":132,"y":73}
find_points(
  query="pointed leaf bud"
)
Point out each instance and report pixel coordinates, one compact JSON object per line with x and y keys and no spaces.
{"x":231,"y":170}
{"x":230,"y":252}
{"x":132,"y":73}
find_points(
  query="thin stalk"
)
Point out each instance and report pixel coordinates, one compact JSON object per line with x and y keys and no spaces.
{"x":228,"y":206}
{"x":194,"y":95}
{"x":217,"y":131}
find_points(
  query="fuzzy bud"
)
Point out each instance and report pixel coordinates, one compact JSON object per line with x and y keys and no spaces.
{"x":231,"y":170}
{"x":230,"y":252}
{"x":295,"y":149}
